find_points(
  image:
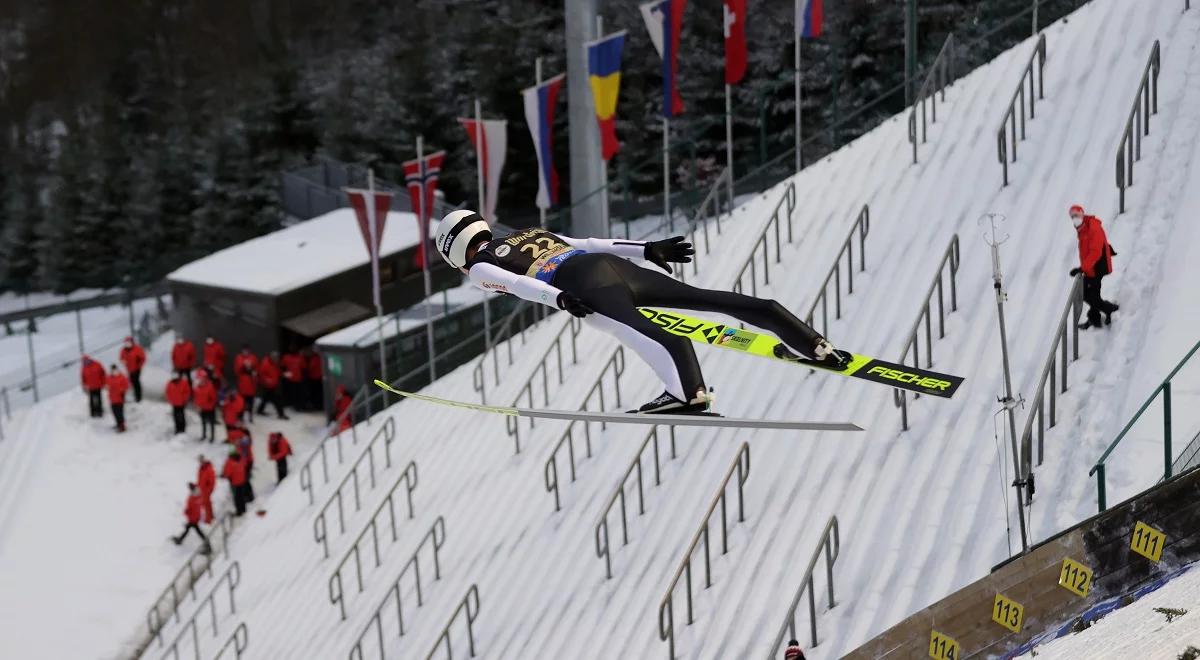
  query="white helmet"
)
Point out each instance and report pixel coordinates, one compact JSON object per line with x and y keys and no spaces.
{"x":458,"y":231}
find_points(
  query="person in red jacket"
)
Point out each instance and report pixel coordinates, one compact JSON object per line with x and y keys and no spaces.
{"x":245,"y":359}
{"x":234,"y":470}
{"x":205,"y":397}
{"x":118,"y":385}
{"x":206,"y":481}
{"x":1095,"y":261}
{"x":91,"y":375}
{"x":341,"y":409}
{"x":247,"y":387}
{"x":134,"y":358}
{"x":278,"y":449}
{"x":240,"y":439}
{"x":192,"y":512}
{"x":312,"y":378}
{"x":268,"y":385}
{"x":214,"y":358}
{"x":232,"y":407}
{"x":293,"y":376}
{"x":793,"y":651}
{"x":178,"y":394}
{"x":183,"y":358}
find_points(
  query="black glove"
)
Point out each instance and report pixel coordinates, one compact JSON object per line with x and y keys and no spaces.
{"x":1076,"y":271}
{"x":669,"y":249}
{"x":572,"y":304}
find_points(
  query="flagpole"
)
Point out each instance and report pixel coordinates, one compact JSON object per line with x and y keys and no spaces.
{"x":666,"y":125}
{"x":480,"y":140}
{"x":729,"y":138}
{"x":799,"y":132}
{"x":603,"y":163}
{"x":424,"y":238}
{"x":373,"y":231}
{"x":537,"y":75}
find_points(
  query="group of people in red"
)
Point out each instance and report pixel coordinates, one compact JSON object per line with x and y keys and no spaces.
{"x":95,"y":380}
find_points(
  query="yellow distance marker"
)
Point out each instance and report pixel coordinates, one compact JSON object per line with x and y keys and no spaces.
{"x":1147,"y":541}
{"x":1008,"y":613}
{"x":942,"y":647}
{"x":1075,"y":577}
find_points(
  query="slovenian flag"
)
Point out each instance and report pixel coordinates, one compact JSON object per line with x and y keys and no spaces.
{"x":810,"y":17}
{"x":664,"y":20}
{"x":604,"y":74}
{"x":540,"y":102}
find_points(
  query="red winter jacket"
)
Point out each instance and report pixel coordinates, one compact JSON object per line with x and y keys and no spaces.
{"x":278,"y":447}
{"x":1094,"y":249}
{"x":244,"y":361}
{"x":214,"y":356}
{"x":231,"y":409}
{"x":245,"y":383}
{"x":183,"y":355}
{"x":133,"y":357}
{"x":178,"y":392}
{"x":293,"y":367}
{"x":118,"y":384}
{"x":205,"y":395}
{"x":244,"y":444}
{"x":268,"y":374}
{"x":92,"y":374}
{"x":195,"y":504}
{"x":312,"y":367}
{"x":234,"y":470}
{"x":340,"y":406}
{"x":206,"y":478}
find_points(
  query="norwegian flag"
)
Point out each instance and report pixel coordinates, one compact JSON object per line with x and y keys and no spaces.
{"x":422,"y":174}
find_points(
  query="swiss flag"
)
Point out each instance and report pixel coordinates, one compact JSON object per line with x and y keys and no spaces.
{"x":735,"y":41}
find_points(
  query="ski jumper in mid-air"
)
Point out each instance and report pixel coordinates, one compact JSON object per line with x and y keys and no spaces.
{"x":582,"y":276}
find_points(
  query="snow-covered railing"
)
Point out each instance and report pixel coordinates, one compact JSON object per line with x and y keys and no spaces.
{"x":504,"y":337}
{"x":306,"y":482}
{"x":570,"y":330}
{"x":913,"y":346}
{"x":470,"y":606}
{"x":336,"y":593}
{"x":602,"y":544}
{"x":710,"y":206}
{"x":1067,"y":327}
{"x":1145,"y":104}
{"x":1016,"y":109}
{"x":861,"y":226}
{"x":231,"y":577}
{"x":320,"y":530}
{"x":941,"y":74}
{"x":240,"y":639}
{"x":788,"y":198}
{"x":666,"y":608}
{"x":435,"y":537}
{"x":831,"y":543}
{"x":185,"y":579}
{"x":616,"y":366}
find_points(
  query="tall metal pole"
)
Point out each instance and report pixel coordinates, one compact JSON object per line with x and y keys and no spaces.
{"x":479,"y":142}
{"x":1035,"y":16}
{"x":604,"y":217}
{"x":373,"y":229}
{"x":579,"y":22}
{"x":666,"y":128}
{"x":796,"y":74}
{"x":910,"y":51}
{"x":425,"y":262}
{"x":1008,"y":401}
{"x":32,"y":360}
{"x":537,"y":77}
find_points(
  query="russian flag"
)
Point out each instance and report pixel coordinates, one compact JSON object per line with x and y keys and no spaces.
{"x":664,"y":20}
{"x":810,"y":18}
{"x":604,"y":74}
{"x":540,"y":102}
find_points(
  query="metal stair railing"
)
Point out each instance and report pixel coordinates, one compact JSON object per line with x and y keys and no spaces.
{"x":436,"y":536}
{"x":232,"y":577}
{"x":710,"y":205}
{"x":336,"y":592}
{"x":504,"y":337}
{"x":666,"y":608}
{"x":941,"y":75}
{"x":1145,"y":104}
{"x":1016,"y":109}
{"x":570,"y":328}
{"x":831,"y":543}
{"x":1067,"y":326}
{"x":320,"y":529}
{"x":788,"y":198}
{"x":306,"y":482}
{"x":187,"y":576}
{"x":862,"y":225}
{"x":635,"y":467}
{"x":7,"y":416}
{"x":913,"y":347}
{"x":240,"y":639}
{"x":471,"y":612}
{"x":615,"y":365}
{"x":1188,"y":458}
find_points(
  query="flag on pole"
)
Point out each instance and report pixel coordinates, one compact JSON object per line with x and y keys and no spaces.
{"x":540,"y":102}
{"x":735,"y":41}
{"x":372,"y":232}
{"x":604,"y":74}
{"x":422,"y":175}
{"x":810,"y":18}
{"x":493,"y":145}
{"x":664,"y":20}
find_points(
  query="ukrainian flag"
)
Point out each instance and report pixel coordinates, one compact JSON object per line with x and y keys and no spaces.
{"x":604,"y":73}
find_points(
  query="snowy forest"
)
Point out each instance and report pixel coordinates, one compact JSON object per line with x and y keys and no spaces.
{"x":141,"y":135}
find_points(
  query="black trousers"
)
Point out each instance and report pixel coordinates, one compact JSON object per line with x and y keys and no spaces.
{"x":270,"y":396}
{"x":614,"y":288}
{"x":281,"y":468}
{"x":313,"y":389}
{"x":239,"y":498}
{"x":186,"y":373}
{"x":1095,"y":302}
{"x":180,"y":420}
{"x":95,"y":403}
{"x":188,"y":528}
{"x":119,"y":415}
{"x":249,"y":411}
{"x":135,"y":379}
{"x":208,"y":424}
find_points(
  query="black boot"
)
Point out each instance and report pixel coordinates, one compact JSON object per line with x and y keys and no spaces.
{"x":667,"y":404}
{"x":1112,"y":307}
{"x":1093,"y":320}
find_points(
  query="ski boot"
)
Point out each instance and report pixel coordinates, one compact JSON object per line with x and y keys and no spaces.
{"x":1112,"y":307}
{"x":668,"y":404}
{"x":835,"y":359}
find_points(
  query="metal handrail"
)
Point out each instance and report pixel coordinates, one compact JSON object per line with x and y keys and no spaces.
{"x":788,"y":197}
{"x":7,"y":416}
{"x":154,"y":619}
{"x":320,"y":532}
{"x":616,"y":362}
{"x":602,"y":548}
{"x":306,"y":482}
{"x":941,"y":76}
{"x":504,"y":337}
{"x":240,"y":640}
{"x":666,"y":608}
{"x":1010,"y":114}
{"x":1070,"y":315}
{"x":1145,"y":104}
{"x":1165,"y":389}
{"x":393,"y":593}
{"x":233,"y":577}
{"x":510,"y":423}
{"x":862,"y":224}
{"x":949,"y":257}
{"x":471,"y":595}
{"x":409,"y":476}
{"x":831,"y":543}
{"x":710,"y":204}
